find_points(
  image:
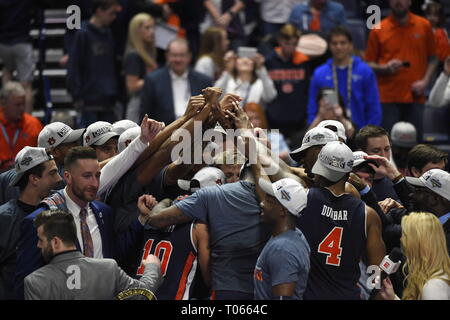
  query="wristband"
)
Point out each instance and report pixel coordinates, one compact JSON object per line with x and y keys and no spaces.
{"x":365,"y":190}
{"x":397,"y":179}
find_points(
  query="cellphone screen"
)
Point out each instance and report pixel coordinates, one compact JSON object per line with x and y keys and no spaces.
{"x":246,"y":52}
{"x":331,"y":96}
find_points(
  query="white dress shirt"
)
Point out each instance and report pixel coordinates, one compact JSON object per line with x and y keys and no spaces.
{"x":75,"y":209}
{"x":181,"y":92}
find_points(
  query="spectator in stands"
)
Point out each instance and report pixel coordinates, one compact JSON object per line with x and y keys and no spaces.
{"x":248,"y":78}
{"x":16,"y":50}
{"x":427,"y":260}
{"x":403,"y":55}
{"x":424,"y":157}
{"x":140,"y":59}
{"x":275,"y":13}
{"x":226,"y":14}
{"x":91,"y":75}
{"x":18,"y":128}
{"x":213,"y":46}
{"x":289,"y":70}
{"x":318,"y":15}
{"x":329,"y":110}
{"x":351,"y":77}
{"x":404,"y":138}
{"x":167,"y":91}
{"x":435,"y":14}
{"x":440,"y":94}
{"x":35,"y":174}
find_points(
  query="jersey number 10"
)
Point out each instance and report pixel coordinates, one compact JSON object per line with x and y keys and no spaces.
{"x":162,"y":246}
{"x":331,"y":246}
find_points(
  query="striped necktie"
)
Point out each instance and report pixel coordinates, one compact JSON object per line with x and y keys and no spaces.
{"x":88,"y":245}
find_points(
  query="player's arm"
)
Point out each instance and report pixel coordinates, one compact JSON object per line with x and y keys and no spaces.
{"x":163,"y":218}
{"x":200,"y":235}
{"x":284,"y":291}
{"x":375,"y":247}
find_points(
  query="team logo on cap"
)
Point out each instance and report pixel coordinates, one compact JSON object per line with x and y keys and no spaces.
{"x":51,"y":141}
{"x":87,"y":138}
{"x":436,"y":183}
{"x":318,"y":137}
{"x":63,"y":131}
{"x":127,"y":142}
{"x":350,"y":164}
{"x":219,"y":181}
{"x":285,"y":195}
{"x":26,"y":161}
{"x":333,"y":161}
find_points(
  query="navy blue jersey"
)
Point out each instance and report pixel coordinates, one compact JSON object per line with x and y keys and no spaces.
{"x":336,"y":232}
{"x":178,"y":256}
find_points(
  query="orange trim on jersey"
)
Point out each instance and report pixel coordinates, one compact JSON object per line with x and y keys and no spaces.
{"x":187,"y":268}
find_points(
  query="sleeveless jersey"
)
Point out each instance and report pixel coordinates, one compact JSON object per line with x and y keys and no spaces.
{"x":335,"y":228}
{"x":178,"y":255}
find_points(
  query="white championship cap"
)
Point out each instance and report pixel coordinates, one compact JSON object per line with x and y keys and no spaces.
{"x":314,"y":137}
{"x":404,"y":134}
{"x":358,"y":158}
{"x":436,"y":180}
{"x":334,"y":161}
{"x":121,"y":126}
{"x":98,"y":133}
{"x":26,"y":159}
{"x":53,"y":134}
{"x":290,"y":193}
{"x":337,"y":124}
{"x":127,"y":137}
{"x":205,"y":177}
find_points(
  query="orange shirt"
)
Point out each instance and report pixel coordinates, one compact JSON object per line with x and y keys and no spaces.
{"x":442,"y":44}
{"x":314,"y":25}
{"x":413,"y":42}
{"x":28,"y":130}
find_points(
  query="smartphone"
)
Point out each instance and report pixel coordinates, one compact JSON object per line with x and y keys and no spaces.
{"x":246,"y":52}
{"x":406,"y":64}
{"x":331,"y":96}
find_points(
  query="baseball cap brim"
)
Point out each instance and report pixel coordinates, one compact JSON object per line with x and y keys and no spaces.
{"x":16,"y":179}
{"x":298,"y":153}
{"x":266,"y":186}
{"x":105,"y":138}
{"x":184,"y":184}
{"x":327,"y":173}
{"x":417,"y":182}
{"x":361,"y":161}
{"x":74,"y":136}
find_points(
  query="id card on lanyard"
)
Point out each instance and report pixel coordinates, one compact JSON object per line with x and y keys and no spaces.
{"x":11,"y":144}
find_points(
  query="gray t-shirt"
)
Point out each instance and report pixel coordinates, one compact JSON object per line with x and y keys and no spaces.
{"x":237,"y":234}
{"x":284,"y":259}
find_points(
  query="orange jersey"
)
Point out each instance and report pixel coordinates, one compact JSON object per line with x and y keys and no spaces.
{"x":25,"y":133}
{"x":413,"y":42}
{"x":442,"y":44}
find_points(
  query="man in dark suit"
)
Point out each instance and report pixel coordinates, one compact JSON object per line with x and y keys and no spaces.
{"x":73,"y":276}
{"x":167,"y":90}
{"x":94,"y":220}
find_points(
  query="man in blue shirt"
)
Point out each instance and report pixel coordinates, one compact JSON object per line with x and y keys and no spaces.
{"x":281,"y":271}
{"x":318,"y":15}
{"x":354,"y":79}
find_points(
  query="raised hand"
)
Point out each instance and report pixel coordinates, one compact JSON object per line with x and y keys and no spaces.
{"x":195,"y":105}
{"x":145,"y":204}
{"x":150,"y":128}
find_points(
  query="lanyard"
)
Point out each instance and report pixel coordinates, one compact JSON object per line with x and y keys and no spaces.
{"x":349,"y":83}
{"x":5,"y":134}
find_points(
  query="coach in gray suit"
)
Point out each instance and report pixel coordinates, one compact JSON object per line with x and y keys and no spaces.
{"x":71,"y":276}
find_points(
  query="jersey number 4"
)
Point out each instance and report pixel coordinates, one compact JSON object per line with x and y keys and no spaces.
{"x":163,"y":251}
{"x":331,"y":246}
